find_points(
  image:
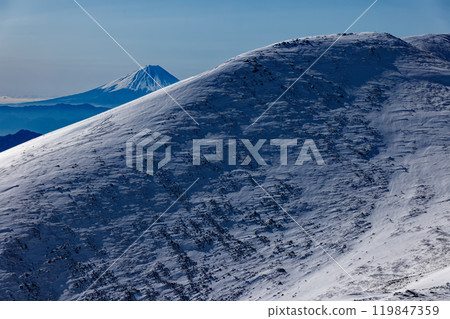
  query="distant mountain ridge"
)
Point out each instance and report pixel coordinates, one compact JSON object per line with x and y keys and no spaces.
{"x":122,"y":90}
{"x":20,"y":137}
{"x":44,"y":116}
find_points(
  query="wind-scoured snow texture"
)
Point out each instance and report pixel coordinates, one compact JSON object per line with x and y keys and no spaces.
{"x":436,"y":44}
{"x":378,"y":111}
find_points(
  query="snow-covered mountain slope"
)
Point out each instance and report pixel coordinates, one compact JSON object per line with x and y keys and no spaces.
{"x":437,"y":44}
{"x":378,"y":111}
{"x":120,"y":91}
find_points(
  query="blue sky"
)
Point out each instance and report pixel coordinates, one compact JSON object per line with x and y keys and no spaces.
{"x":51,"y":48}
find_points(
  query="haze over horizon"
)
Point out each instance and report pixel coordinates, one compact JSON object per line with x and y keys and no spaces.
{"x":52,"y":48}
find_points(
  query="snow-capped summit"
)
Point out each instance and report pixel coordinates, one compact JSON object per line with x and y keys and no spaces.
{"x":44,"y":116}
{"x":122,"y":90}
{"x":147,"y":79}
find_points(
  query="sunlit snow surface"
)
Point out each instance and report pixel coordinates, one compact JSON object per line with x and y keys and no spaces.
{"x":378,"y":110}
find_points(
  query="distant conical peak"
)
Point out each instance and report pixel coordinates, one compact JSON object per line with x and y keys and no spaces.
{"x":148,"y":78}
